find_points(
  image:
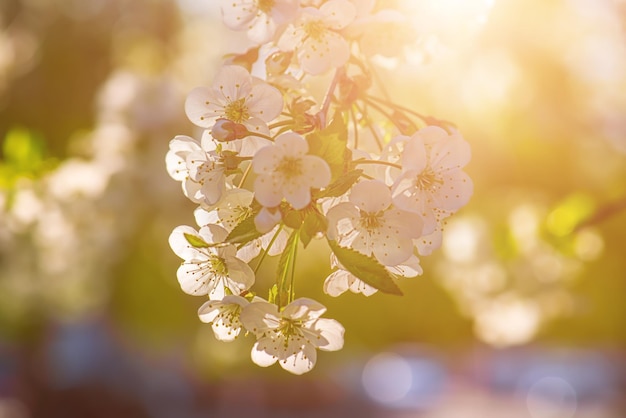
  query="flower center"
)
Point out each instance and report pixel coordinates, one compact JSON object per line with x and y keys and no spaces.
{"x":290,"y":167}
{"x":427,"y":180}
{"x":265,"y":5}
{"x":315,"y":29}
{"x":218,"y":266}
{"x":237,"y":111}
{"x":370,"y":221}
{"x":290,"y":328}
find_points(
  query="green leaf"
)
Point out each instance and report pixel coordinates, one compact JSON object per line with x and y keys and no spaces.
{"x":245,"y":231}
{"x":196,"y":241}
{"x":314,"y":222}
{"x":292,"y":218}
{"x":283,"y":268}
{"x":342,"y":185}
{"x":273,"y":294}
{"x":22,"y":149}
{"x":366,"y":268}
{"x":330,"y":144}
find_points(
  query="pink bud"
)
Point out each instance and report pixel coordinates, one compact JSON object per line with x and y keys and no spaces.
{"x":226,"y":130}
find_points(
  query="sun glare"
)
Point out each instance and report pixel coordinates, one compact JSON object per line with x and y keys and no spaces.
{"x":449,"y":15}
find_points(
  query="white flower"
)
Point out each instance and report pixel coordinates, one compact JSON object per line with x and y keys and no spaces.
{"x":259,"y":17}
{"x":209,"y":270}
{"x":237,"y":96}
{"x":223,"y":316}
{"x":432,"y":182}
{"x":198,"y":167}
{"x":372,"y":225}
{"x":315,"y":39}
{"x":267,"y":218}
{"x":426,"y":244}
{"x":232,"y":209}
{"x":292,"y":335}
{"x":284,"y":170}
{"x":341,"y":280}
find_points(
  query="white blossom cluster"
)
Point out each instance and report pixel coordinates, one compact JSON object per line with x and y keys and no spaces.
{"x":275,"y":168}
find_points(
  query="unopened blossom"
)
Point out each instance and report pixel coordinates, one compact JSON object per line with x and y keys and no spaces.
{"x":315,"y":38}
{"x":372,"y":225}
{"x":286,"y":171}
{"x":432,"y":182}
{"x":291,"y":336}
{"x":223,"y":316}
{"x":209,"y":270}
{"x":198,"y":167}
{"x":225,"y":130}
{"x":260,"y":18}
{"x":267,"y":219}
{"x":237,"y":96}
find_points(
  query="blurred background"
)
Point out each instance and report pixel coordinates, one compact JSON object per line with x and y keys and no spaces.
{"x":521,"y":313}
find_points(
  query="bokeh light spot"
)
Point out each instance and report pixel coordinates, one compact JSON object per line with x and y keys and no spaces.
{"x":387,"y":378}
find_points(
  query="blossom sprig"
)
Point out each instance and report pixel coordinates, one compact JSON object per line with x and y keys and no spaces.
{"x":278,"y":166}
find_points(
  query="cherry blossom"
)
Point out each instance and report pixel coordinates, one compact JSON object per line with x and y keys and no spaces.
{"x":260,"y":18}
{"x":315,"y":38}
{"x":371,"y":224}
{"x":236,"y":96}
{"x":286,"y":171}
{"x":232,"y":209}
{"x":223,"y":316}
{"x":285,"y":159}
{"x":432,"y":182}
{"x":292,"y":335}
{"x":342,"y":280}
{"x":198,"y":167}
{"x":212,"y":269}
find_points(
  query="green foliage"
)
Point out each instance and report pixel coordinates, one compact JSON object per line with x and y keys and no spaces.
{"x":23,"y":156}
{"x":569,"y":214}
{"x":313,"y":223}
{"x":330,"y":144}
{"x":273,"y":294}
{"x":341,"y":185}
{"x":366,"y":268}
{"x":287,"y":258}
{"x":196,"y":241}
{"x":245,"y":231}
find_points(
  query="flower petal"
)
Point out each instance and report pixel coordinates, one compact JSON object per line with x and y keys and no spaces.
{"x":264,"y":102}
{"x":179,"y":243}
{"x":233,"y":82}
{"x":303,"y":309}
{"x":332,"y":331}
{"x":266,"y":191}
{"x":200,"y":108}
{"x":260,"y":317}
{"x":292,"y":144}
{"x":316,"y":171}
{"x":337,"y":282}
{"x":371,"y":196}
{"x":263,"y":354}
{"x":301,"y":361}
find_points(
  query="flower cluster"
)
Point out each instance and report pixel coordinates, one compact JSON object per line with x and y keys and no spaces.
{"x":277,"y":167}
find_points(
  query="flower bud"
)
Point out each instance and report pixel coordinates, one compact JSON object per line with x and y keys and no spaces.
{"x":267,"y":219}
{"x":226,"y":130}
{"x":277,"y":63}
